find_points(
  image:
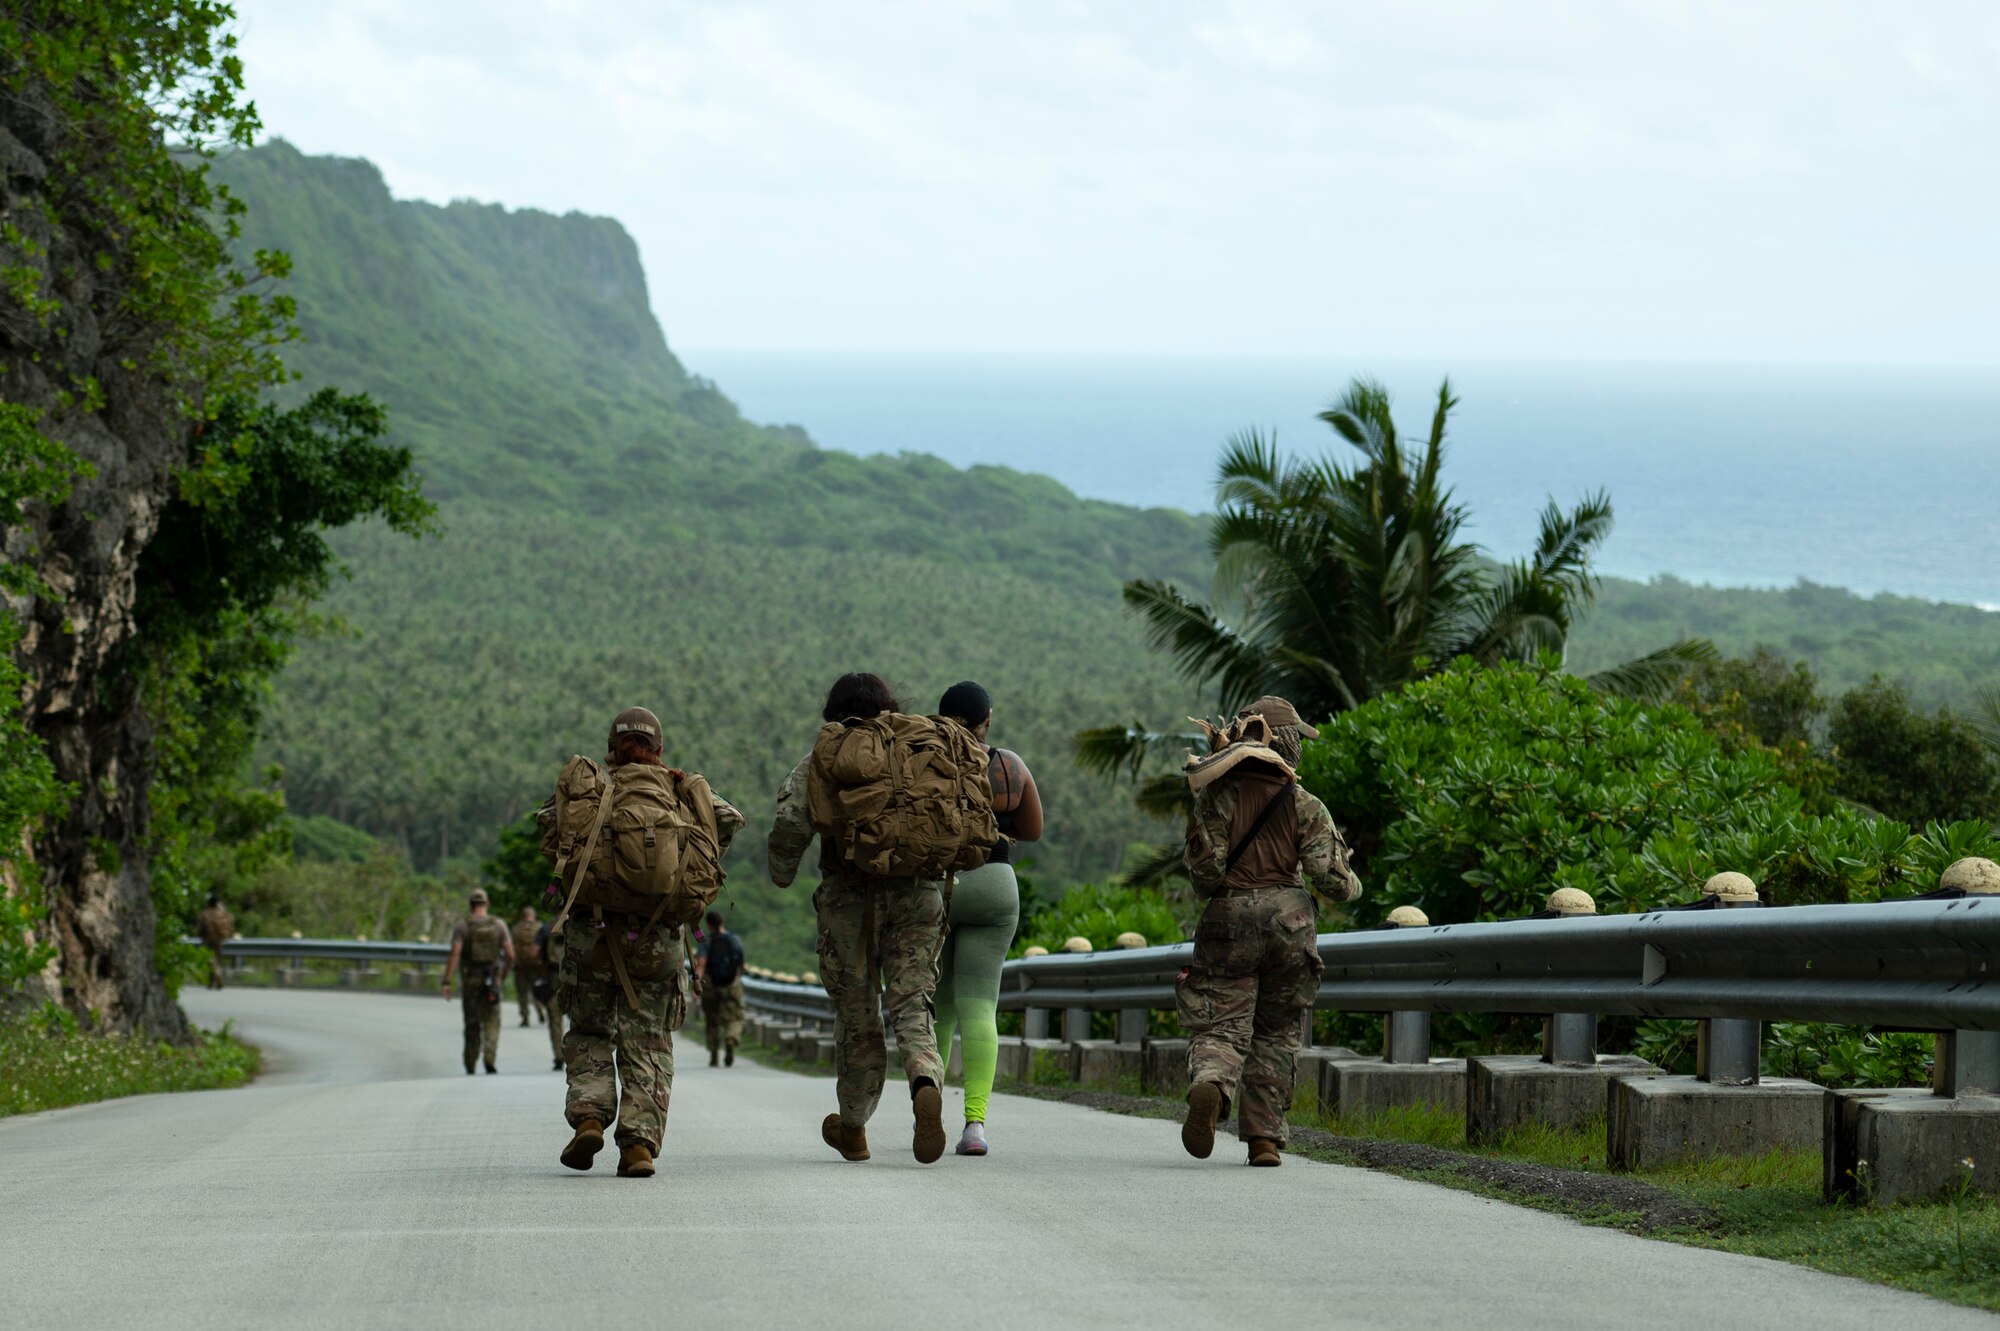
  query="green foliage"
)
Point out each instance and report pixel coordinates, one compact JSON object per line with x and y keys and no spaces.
{"x":138,"y":95}
{"x":1100,"y":912}
{"x":50,"y":1063}
{"x":1476,"y":793}
{"x":1894,"y":759}
{"x":379,"y":897}
{"x":516,"y":875}
{"x":1944,"y":654}
{"x":1842,"y":1057}
{"x":218,"y":591}
{"x":1764,"y":701}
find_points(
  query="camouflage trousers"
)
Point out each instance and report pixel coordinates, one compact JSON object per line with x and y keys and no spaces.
{"x":907,"y":919}
{"x":722,"y":1012}
{"x":620,"y":1061}
{"x":482,"y":1017}
{"x":525,"y":976}
{"x":1242,"y":1001}
{"x":214,"y":965}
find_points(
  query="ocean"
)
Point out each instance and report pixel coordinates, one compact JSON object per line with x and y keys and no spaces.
{"x":1874,"y":479}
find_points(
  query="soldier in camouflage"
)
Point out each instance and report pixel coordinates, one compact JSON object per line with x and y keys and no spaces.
{"x":1256,"y":965}
{"x":896,"y":924}
{"x":621,"y":1060}
{"x":486,"y":950}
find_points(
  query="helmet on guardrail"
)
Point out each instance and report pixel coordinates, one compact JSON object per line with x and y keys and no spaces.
{"x":1974,"y":875}
{"x":1730,"y":887}
{"x":1036,"y":951}
{"x":1571,"y":901}
{"x":1078,"y":944}
{"x":1128,"y":939}
{"x":1408,"y":917}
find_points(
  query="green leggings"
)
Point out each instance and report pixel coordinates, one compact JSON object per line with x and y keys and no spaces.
{"x":985,"y":908}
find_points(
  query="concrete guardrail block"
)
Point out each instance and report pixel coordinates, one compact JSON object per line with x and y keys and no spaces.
{"x":1887,"y":1146}
{"x":1504,"y":1092}
{"x":1661,"y":1120}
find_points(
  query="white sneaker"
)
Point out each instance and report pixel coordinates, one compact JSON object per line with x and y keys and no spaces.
{"x":973,"y":1140}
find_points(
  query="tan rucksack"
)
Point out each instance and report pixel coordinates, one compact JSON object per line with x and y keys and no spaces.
{"x":482,"y":940}
{"x":902,"y":796}
{"x":650,"y":848}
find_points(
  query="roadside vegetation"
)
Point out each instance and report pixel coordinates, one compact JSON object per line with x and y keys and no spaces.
{"x":47,"y":1061}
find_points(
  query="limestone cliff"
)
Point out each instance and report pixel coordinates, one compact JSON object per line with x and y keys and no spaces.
{"x":86,"y":549}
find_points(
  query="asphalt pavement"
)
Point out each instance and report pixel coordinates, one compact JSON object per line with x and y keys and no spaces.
{"x":364,"y":1181}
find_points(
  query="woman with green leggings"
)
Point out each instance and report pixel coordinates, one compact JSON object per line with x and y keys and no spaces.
{"x":985,"y":909}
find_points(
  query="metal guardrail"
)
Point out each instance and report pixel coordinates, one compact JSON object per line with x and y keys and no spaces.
{"x":332,"y":949}
{"x":1908,"y":965}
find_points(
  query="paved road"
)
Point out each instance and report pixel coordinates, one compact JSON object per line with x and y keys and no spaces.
{"x":364,"y":1181}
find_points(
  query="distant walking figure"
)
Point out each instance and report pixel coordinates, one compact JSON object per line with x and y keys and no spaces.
{"x":985,"y":910}
{"x":486,"y":950}
{"x":718,"y":972}
{"x":216,"y":926}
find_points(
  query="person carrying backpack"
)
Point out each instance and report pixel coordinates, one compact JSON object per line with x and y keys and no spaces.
{"x":1256,"y":841}
{"x":718,"y":973}
{"x":216,"y":926}
{"x":486,"y":950}
{"x":900,"y":804}
{"x":637,"y":848}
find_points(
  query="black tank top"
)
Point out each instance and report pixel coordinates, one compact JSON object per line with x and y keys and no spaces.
{"x":1002,"y":780}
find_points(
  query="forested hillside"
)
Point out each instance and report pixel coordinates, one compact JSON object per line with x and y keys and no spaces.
{"x":613,"y":532}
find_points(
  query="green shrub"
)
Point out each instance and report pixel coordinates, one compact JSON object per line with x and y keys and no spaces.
{"x":1476,"y":793}
{"x":1100,"y":912}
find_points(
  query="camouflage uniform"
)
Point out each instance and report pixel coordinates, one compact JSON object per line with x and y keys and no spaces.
{"x":896,"y":924}
{"x":1256,"y":964}
{"x":482,"y":1018}
{"x":620,"y":1062}
{"x":722,"y":1012}
{"x":527,"y":968}
{"x":217,"y":926}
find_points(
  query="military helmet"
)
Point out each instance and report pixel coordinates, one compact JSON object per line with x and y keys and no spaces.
{"x":639,"y":720}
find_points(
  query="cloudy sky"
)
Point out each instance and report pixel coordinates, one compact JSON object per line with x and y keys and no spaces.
{"x":1755,"y":180}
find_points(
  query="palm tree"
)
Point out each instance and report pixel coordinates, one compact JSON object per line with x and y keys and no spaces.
{"x":1345,"y":584}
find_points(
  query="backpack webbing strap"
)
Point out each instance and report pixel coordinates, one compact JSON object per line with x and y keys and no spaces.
{"x":1288,"y":794}
{"x":617,"y":950}
{"x":583,"y":860}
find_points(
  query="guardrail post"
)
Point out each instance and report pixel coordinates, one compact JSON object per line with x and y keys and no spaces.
{"x":1076,"y":1024}
{"x":1967,"y":1061}
{"x":1406,"y":1037}
{"x":1570,"y":1037}
{"x":1729,"y":1050}
{"x":1131,"y":1024}
{"x":1035,"y":1023}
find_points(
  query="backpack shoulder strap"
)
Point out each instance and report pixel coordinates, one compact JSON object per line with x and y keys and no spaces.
{"x":1289,"y":794}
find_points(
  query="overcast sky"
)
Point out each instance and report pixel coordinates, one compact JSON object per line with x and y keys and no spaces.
{"x":1740,"y":181}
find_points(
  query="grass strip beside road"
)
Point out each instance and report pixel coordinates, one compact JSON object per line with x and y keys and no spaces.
{"x":46,"y":1062}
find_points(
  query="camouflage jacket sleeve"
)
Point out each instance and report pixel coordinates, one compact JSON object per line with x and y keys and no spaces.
{"x":729,"y":820}
{"x":1322,"y":854}
{"x":1208,"y":827}
{"x":792,"y":829}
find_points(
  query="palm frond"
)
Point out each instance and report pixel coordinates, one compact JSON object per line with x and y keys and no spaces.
{"x":1126,"y":750}
{"x":1203,"y":647}
{"x":1165,"y":796}
{"x":1158,"y":866}
{"x":1650,"y":678}
{"x":1985,"y":716}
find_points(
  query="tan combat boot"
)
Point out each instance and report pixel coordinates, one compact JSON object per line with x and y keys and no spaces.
{"x":715,"y":1058}
{"x":1204,"y":1102}
{"x":584,"y":1146}
{"x":927,"y":1143}
{"x":1264,"y":1151}
{"x":635,"y":1161}
{"x":729,"y":1055}
{"x":852,"y":1143}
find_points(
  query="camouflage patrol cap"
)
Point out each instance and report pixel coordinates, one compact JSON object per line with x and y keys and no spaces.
{"x":639,"y":720}
{"x":478,"y":897}
{"x":1279,"y":713}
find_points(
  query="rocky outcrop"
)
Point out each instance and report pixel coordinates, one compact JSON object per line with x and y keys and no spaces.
{"x":77,"y":635}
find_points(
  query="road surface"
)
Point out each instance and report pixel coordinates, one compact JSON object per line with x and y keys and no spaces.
{"x":364,"y":1181}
